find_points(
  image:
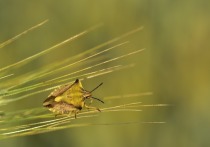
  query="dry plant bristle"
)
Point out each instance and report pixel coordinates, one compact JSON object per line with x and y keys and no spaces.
{"x":38,"y":120}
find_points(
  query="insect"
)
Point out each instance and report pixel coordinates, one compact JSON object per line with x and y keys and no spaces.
{"x":69,"y":99}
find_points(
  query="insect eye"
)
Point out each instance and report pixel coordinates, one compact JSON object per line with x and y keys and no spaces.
{"x":87,"y":95}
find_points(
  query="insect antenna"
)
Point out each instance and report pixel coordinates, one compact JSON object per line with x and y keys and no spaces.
{"x":96,"y":88}
{"x":97,"y":99}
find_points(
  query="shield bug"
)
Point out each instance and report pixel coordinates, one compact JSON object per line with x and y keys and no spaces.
{"x":70,"y":98}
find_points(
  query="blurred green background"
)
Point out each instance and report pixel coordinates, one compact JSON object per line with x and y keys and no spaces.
{"x":174,"y":66}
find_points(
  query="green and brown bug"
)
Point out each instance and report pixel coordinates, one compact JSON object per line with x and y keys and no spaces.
{"x":69,"y":99}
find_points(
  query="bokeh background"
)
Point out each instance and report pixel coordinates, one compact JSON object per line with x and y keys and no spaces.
{"x":174,"y":66}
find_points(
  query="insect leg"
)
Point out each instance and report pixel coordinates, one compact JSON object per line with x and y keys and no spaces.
{"x":90,"y":102}
{"x":95,"y":108}
{"x":69,"y":115}
{"x":75,"y":114}
{"x":57,"y":114}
